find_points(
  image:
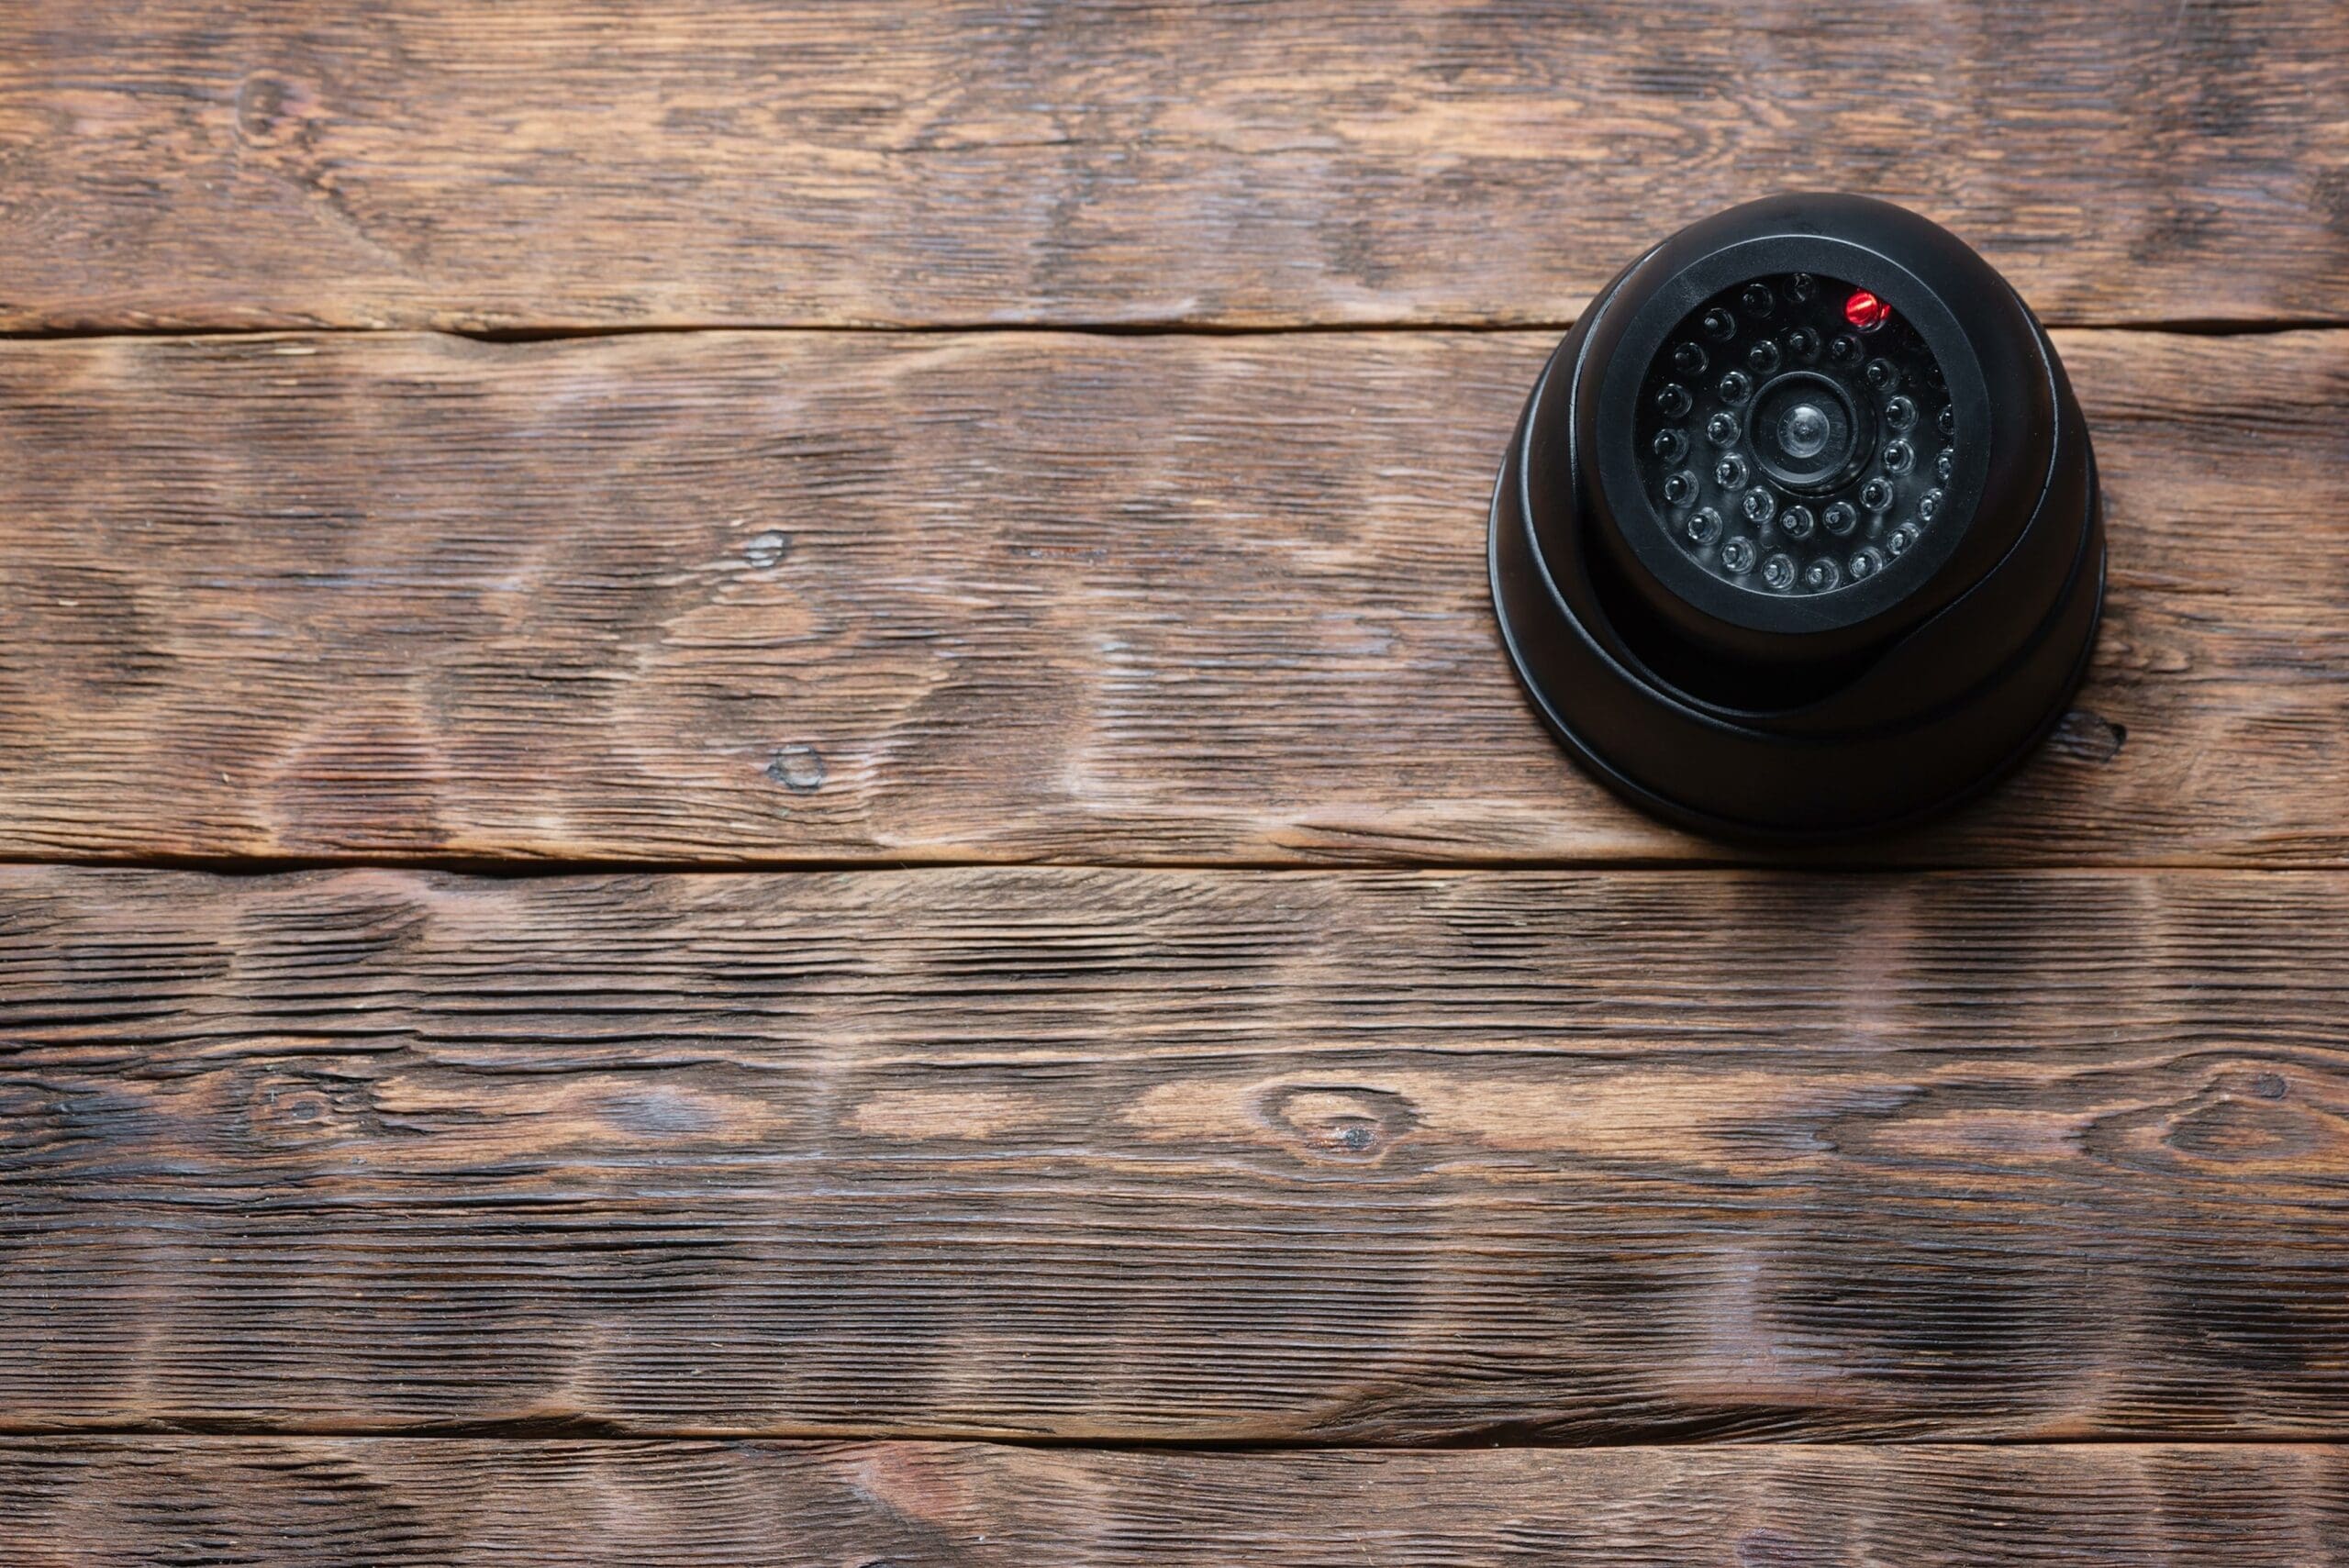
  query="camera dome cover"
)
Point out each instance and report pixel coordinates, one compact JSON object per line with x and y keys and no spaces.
{"x":1799,"y":535}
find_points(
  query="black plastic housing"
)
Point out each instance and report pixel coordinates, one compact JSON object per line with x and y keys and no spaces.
{"x":1746,"y":713}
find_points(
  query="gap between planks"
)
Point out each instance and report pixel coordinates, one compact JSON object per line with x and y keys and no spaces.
{"x":2182,"y":327}
{"x":587,"y":1432}
{"x":1761,"y":861}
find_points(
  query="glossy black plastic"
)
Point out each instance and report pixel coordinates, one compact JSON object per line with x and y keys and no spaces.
{"x":1746,"y":712}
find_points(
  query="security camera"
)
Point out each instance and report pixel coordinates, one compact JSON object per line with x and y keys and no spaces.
{"x":1799,"y":535}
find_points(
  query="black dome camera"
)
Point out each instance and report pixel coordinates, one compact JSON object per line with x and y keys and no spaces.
{"x":1799,"y":534}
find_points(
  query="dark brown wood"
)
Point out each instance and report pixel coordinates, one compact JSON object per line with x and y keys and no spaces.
{"x":403,"y":1218}
{"x":778,"y":598}
{"x":457,"y":1504}
{"x":545,"y":163}
{"x":1121,"y":1155}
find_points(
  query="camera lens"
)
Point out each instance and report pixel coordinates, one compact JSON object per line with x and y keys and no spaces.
{"x":1803,"y":432}
{"x":1806,"y":431}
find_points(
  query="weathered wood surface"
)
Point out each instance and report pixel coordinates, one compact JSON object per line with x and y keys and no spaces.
{"x":549,"y":164}
{"x":457,"y":1504}
{"x":1370,"y":1157}
{"x":730,"y":597}
{"x":550,"y":1180}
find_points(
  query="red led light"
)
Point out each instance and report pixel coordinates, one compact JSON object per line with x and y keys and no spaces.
{"x":1866,"y":312}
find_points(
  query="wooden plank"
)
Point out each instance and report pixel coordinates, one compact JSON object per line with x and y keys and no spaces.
{"x":1371,"y":1157}
{"x":833,"y":597}
{"x":546,"y":163}
{"x":456,"y":1504}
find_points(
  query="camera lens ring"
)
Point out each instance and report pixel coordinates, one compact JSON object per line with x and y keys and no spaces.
{"x":1829,"y":433}
{"x":1808,"y":433}
{"x":1639,"y":331}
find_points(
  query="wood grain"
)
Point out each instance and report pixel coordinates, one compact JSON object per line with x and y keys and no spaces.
{"x":1365,"y":1157}
{"x":847,"y":597}
{"x":546,"y":163}
{"x":457,"y":1504}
